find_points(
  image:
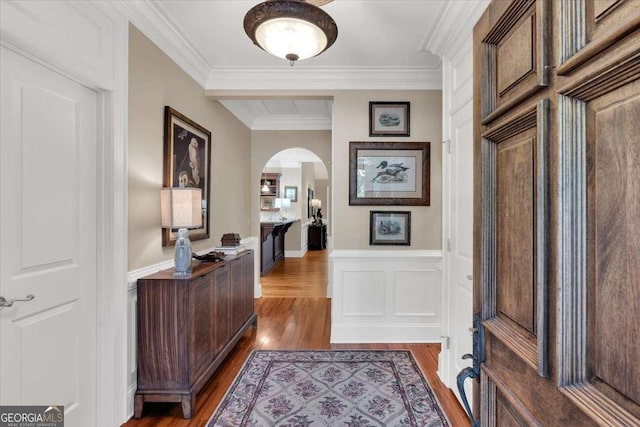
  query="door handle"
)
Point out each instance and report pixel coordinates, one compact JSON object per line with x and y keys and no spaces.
{"x":470,"y":277}
{"x":472,"y":372}
{"x":8,"y":303}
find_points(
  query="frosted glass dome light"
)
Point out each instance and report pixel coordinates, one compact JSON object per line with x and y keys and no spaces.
{"x":290,"y":29}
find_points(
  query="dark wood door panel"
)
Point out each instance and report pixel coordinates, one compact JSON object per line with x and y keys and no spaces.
{"x":515,"y":55}
{"x":589,"y":295}
{"x":165,"y":337}
{"x":222,"y":326}
{"x":599,"y":120}
{"x":200,"y":334}
{"x":514,"y":223}
{"x":515,"y":290}
{"x":237,"y":314}
{"x":247,"y":284}
{"x":592,"y":26}
{"x":616,"y":306}
{"x":534,"y":399}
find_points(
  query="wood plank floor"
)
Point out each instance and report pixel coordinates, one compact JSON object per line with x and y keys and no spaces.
{"x":293,"y":314}
{"x":298,"y":277}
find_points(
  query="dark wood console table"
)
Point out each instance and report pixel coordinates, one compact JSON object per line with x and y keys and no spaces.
{"x":317,"y":237}
{"x":272,"y":247}
{"x":187,"y":327}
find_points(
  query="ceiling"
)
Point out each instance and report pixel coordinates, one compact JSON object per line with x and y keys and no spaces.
{"x":381,"y":44}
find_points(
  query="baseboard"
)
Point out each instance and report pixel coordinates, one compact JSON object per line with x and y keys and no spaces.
{"x":296,"y":254}
{"x":372,"y":333}
{"x":131,"y":393}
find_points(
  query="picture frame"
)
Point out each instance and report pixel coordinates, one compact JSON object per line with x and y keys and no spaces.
{"x":268,"y":203}
{"x":390,"y":228}
{"x":187,"y":161}
{"x":291,"y":193}
{"x":389,"y":118}
{"x":309,"y":207}
{"x":389,"y":173}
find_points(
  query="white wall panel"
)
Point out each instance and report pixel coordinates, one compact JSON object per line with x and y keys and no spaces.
{"x":362,"y":293}
{"x":385,"y":296}
{"x":416,"y":293}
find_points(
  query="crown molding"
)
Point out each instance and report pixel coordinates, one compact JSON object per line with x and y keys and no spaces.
{"x":154,"y":23}
{"x":241,"y":111}
{"x":291,"y":123}
{"x":277,"y":122}
{"x":147,"y":17}
{"x":287,"y":78}
{"x":461,"y":16}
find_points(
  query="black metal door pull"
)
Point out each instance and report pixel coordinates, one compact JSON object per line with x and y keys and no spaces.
{"x":472,"y":372}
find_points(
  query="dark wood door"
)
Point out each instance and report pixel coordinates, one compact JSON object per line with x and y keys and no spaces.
{"x":247,"y":287}
{"x":222,"y":307}
{"x":201,"y":336}
{"x":557,"y":211}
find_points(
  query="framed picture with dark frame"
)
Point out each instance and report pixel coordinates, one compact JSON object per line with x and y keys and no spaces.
{"x":390,"y":228}
{"x":187,"y":163}
{"x":389,"y":118}
{"x":291,"y":193}
{"x":309,"y":207}
{"x":389,"y":173}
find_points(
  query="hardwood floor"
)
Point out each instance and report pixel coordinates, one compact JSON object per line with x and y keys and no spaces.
{"x":298,"y":277}
{"x":298,"y":317}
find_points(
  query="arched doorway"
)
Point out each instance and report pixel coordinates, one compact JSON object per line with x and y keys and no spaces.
{"x":289,"y":181}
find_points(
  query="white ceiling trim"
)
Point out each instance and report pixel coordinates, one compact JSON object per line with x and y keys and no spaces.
{"x":163,"y":32}
{"x":291,"y":123}
{"x":275,"y":122}
{"x":287,"y":78}
{"x":459,"y":15}
{"x":241,"y":111}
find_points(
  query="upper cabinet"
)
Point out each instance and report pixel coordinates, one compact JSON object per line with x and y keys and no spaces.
{"x":269,"y":191}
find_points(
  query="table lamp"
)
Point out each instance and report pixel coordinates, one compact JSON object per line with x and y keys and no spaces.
{"x":283,"y":204}
{"x":181,"y":208}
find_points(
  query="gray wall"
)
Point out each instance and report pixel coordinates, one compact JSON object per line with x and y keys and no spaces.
{"x":350,"y":224}
{"x":155,"y":81}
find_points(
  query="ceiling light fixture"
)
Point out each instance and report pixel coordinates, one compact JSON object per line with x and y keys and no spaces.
{"x":290,"y":29}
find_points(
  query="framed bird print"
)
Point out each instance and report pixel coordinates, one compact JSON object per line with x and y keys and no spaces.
{"x":389,"y":118}
{"x":187,"y":163}
{"x":389,"y":173}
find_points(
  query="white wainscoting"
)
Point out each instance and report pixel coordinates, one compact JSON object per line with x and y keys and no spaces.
{"x":132,"y":301}
{"x":385,"y":296}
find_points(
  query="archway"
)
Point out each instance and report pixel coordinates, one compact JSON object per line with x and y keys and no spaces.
{"x":287,"y":179}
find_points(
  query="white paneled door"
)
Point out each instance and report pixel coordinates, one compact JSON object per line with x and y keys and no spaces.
{"x":457,"y":214}
{"x":48,"y":134}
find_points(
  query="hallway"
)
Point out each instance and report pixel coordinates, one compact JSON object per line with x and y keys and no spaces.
{"x":293,"y":314}
{"x":298,"y":277}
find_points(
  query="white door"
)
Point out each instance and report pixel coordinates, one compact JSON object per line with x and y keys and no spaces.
{"x":457,"y":215}
{"x":461,"y":240}
{"x":48,"y":138}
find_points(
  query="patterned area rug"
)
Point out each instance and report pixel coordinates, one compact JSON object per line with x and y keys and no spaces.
{"x":353,"y":388}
